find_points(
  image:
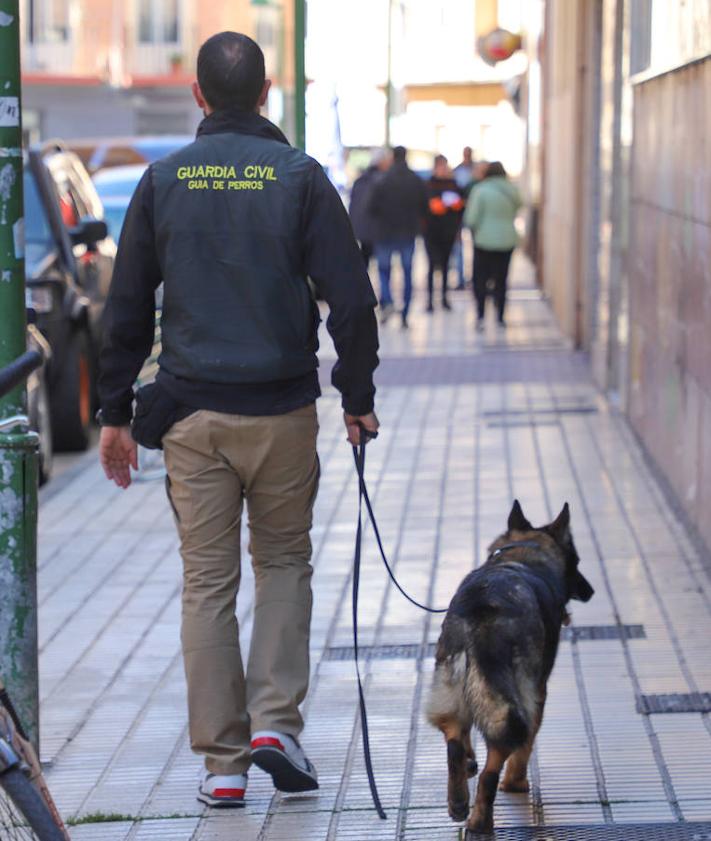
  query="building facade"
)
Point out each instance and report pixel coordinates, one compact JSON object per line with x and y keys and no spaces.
{"x":409,"y":72}
{"x":98,"y":68}
{"x":623,"y":246}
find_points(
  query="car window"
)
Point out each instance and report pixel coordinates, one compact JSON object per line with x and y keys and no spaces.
{"x":38,"y":234}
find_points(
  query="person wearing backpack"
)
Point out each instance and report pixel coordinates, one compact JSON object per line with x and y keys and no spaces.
{"x":490,"y":214}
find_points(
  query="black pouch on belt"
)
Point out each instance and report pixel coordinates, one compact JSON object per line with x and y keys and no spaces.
{"x":155,"y":412}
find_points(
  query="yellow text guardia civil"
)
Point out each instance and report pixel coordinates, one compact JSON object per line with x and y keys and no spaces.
{"x":228,"y":171}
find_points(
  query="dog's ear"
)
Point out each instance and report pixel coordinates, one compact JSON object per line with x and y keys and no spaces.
{"x":559,"y":529}
{"x":517,"y":521}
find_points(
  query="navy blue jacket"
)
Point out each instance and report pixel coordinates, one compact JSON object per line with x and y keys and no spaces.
{"x":233,"y":225}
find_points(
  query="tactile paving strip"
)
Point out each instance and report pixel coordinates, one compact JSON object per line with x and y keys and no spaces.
{"x":677,"y":702}
{"x":604,"y":832}
{"x":410,"y":651}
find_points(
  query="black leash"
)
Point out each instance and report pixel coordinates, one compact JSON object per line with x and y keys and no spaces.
{"x":359,"y":458}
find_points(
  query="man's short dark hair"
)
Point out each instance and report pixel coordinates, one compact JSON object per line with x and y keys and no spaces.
{"x":230,"y":71}
{"x":399,"y":154}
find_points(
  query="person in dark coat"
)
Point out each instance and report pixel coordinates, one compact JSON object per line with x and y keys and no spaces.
{"x":232,"y":225}
{"x":444,"y":218}
{"x":398,"y":206}
{"x":361,"y":218}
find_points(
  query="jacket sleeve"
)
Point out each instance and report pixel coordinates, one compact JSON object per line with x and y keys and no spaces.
{"x":473,"y":210}
{"x":129,"y":314}
{"x":333,"y":261}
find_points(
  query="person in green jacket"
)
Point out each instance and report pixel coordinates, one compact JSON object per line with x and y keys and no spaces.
{"x":490,"y":214}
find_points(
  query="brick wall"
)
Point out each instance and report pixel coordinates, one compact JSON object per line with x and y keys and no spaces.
{"x":670,"y":282}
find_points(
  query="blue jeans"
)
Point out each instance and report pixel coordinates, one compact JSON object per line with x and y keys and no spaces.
{"x":383,"y":253}
{"x":457,"y":259}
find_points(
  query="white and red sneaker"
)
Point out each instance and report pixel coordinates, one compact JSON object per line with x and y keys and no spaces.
{"x":281,"y":756}
{"x":222,"y":790}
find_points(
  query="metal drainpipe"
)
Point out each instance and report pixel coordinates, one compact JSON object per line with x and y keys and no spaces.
{"x":18,"y":446}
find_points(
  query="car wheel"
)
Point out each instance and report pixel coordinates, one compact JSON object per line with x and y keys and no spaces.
{"x":72,"y":396}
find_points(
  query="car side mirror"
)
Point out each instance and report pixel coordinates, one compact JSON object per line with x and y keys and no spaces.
{"x":88,"y":232}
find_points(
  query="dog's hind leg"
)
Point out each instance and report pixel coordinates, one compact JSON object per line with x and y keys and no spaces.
{"x":481,"y":819}
{"x":472,"y":766}
{"x":516,"y":775}
{"x":457,"y":788}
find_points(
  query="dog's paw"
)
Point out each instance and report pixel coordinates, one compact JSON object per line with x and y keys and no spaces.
{"x":480,"y":824}
{"x":458,"y":810}
{"x":516,"y":786}
{"x":472,"y":768}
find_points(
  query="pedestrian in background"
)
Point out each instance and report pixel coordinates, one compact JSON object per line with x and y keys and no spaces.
{"x":398,"y":206}
{"x":463,"y":174}
{"x":234,"y":402}
{"x":444,"y":217}
{"x":361,"y":218}
{"x":490,"y":214}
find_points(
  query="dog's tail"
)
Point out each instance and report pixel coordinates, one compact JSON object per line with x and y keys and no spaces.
{"x":510,"y":722}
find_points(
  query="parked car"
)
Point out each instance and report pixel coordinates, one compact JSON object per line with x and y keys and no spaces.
{"x":106,"y":152}
{"x":115,"y":187}
{"x":69,"y":260}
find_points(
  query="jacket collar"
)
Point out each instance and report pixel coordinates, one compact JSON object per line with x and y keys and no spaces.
{"x":240,"y":122}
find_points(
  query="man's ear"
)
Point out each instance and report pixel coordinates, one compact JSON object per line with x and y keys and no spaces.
{"x":262,"y":101}
{"x":517,"y":522}
{"x":199,"y":98}
{"x":560,"y":527}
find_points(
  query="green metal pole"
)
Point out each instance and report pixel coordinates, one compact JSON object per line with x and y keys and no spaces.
{"x":300,"y":72}
{"x":18,"y":447}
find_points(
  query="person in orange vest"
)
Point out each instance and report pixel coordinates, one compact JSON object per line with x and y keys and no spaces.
{"x":444,"y":219}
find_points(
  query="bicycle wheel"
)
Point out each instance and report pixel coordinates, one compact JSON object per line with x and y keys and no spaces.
{"x":24,"y":815}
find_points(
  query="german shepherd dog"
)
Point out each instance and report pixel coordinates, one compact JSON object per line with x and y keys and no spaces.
{"x":495,"y":654}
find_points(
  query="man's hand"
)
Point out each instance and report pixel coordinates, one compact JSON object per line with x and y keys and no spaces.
{"x":117,"y":453}
{"x":354,"y":422}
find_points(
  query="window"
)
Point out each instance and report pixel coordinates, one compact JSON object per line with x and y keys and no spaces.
{"x":265,"y":35}
{"x":47,"y":21}
{"x":640,"y":35}
{"x":158,"y":21}
{"x":38,"y":235}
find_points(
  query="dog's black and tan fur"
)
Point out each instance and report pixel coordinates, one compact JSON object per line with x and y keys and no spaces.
{"x":495,"y":654}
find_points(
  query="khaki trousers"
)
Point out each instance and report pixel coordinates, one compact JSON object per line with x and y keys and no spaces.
{"x":214,"y":461}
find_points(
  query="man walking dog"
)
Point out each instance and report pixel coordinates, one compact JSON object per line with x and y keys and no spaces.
{"x":232,"y":225}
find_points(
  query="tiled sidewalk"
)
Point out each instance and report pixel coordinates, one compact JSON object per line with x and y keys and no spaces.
{"x":468,"y":422}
